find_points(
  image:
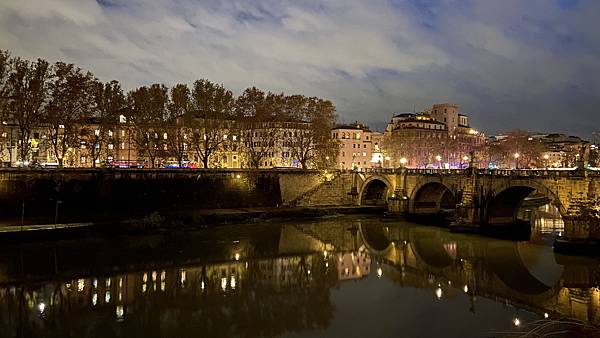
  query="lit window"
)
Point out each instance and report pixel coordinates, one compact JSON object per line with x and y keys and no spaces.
{"x":234,"y":138}
{"x":122,"y":119}
{"x":123,"y":133}
{"x":122,"y":145}
{"x":110,"y":133}
{"x":165,"y":136}
{"x":110,"y":146}
{"x":97,"y":132}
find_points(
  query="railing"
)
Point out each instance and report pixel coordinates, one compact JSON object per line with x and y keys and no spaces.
{"x":551,"y":173}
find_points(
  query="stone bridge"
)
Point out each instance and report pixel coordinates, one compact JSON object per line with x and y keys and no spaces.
{"x":482,"y":197}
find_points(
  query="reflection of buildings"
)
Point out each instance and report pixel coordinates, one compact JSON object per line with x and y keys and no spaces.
{"x":353,"y":265}
{"x":249,"y":283}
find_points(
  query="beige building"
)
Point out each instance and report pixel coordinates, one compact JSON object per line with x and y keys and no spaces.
{"x":438,"y":137}
{"x":360,"y":148}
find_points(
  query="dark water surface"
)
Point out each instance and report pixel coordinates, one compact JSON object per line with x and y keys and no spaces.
{"x":338,"y":277}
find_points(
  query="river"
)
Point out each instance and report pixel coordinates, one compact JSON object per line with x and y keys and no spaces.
{"x":347,"y":276}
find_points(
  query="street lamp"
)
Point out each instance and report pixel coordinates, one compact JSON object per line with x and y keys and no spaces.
{"x":465,"y":159}
{"x":517,"y":155}
{"x":403,"y":161}
{"x":439,"y":159}
{"x":546,"y":157}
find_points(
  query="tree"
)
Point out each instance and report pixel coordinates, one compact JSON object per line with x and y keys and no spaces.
{"x":28,"y":83}
{"x":309,"y":134}
{"x":258,"y":117}
{"x":108,"y":101}
{"x":69,"y":107}
{"x":211,"y":117}
{"x":148,"y":112}
{"x":177,"y":112}
{"x":5,"y":129}
{"x":528,"y":149}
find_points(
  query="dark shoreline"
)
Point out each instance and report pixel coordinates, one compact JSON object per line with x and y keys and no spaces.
{"x":180,"y":220}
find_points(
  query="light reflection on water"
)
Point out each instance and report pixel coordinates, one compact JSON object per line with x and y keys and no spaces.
{"x":337,"y":277}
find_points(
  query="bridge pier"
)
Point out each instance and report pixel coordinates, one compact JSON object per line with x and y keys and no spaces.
{"x":399,"y":202}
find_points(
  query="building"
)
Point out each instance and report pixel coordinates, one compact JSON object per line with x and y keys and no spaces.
{"x":360,"y":148}
{"x":438,"y":137}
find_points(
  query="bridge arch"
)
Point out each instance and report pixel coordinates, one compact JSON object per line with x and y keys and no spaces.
{"x":375,"y":239}
{"x":431,"y":197}
{"x":505,"y":204}
{"x":375,"y":191}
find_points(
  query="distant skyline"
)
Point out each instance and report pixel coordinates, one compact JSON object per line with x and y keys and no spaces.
{"x":509,"y":64}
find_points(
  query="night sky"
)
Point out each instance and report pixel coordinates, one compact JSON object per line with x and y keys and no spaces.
{"x":531,"y":64}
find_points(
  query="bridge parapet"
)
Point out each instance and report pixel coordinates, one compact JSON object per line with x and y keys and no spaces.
{"x":485,"y":172}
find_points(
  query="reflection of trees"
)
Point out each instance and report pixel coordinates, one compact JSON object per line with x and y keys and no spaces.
{"x":271,"y":297}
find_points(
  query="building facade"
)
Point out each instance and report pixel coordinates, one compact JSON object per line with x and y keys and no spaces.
{"x":360,"y":148}
{"x":438,"y":137}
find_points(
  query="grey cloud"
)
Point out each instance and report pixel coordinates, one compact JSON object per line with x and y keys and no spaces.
{"x":508,"y":63}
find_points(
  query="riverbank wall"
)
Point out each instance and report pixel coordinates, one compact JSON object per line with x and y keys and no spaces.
{"x":42,"y":196}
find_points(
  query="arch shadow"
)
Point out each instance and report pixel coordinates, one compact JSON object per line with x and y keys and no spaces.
{"x":432,"y":198}
{"x":375,"y":191}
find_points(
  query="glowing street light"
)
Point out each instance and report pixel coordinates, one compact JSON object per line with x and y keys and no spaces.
{"x":403,"y":161}
{"x":517,"y":155}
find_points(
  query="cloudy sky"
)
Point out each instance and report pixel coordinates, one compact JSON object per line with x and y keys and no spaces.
{"x":509,"y":64}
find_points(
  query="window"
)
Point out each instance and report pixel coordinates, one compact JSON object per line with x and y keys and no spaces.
{"x":110,"y":133}
{"x":122,"y":133}
{"x":122,"y":119}
{"x":82,"y":159}
{"x":165,"y":136}
{"x":61,"y":126}
{"x":110,"y":146}
{"x":97,"y":132}
{"x":364,"y":145}
{"x":122,"y":145}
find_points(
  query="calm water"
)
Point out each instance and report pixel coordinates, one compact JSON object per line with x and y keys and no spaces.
{"x":340,"y":277}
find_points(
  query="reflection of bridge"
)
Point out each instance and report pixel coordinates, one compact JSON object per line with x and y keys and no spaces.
{"x":517,"y":273}
{"x":481,"y":196}
{"x":290,"y":268}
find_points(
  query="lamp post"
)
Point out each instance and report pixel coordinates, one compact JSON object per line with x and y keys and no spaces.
{"x":438,"y":158}
{"x":546,"y":157}
{"x":465,"y":160}
{"x":403,"y":162}
{"x":517,"y":155}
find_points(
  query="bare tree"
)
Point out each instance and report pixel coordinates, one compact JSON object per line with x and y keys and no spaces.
{"x":308,"y":133}
{"x":28,"y":82}
{"x":108,"y":102}
{"x":5,"y":98}
{"x":177,"y":129}
{"x":211,"y":118}
{"x":149,"y":106}
{"x":259,"y":118}
{"x":70,"y":104}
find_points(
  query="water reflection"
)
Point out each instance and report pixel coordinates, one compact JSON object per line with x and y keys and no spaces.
{"x":272,"y":280}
